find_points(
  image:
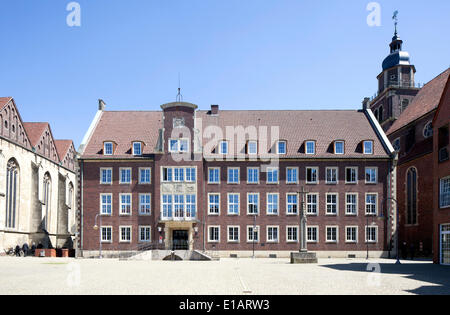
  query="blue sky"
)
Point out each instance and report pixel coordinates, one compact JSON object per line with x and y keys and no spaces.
{"x":241,"y":54}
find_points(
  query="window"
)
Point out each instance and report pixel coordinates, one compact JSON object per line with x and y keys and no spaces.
{"x":125,"y":175}
{"x":106,"y":176}
{"x":291,"y":175}
{"x":108,"y":148}
{"x":312,"y":175}
{"x":178,"y":174}
{"x":223,"y":147}
{"x":312,"y":234}
{"x":405,"y":104}
{"x":173,"y":145}
{"x":428,"y":130}
{"x":272,"y":175}
{"x":184,"y":145}
{"x":371,"y":234}
{"x":106,"y":232}
{"x":368,"y":147}
{"x":145,"y":204}
{"x":252,"y":147}
{"x":396,"y":144}
{"x":12,"y":193}
{"x":214,"y":234}
{"x":351,"y":204}
{"x":351,"y":175}
{"x":371,"y":175}
{"x":252,"y":234}
{"x":191,"y":206}
{"x":253,"y":175}
{"x":167,"y":206}
{"x":233,"y":204}
{"x":213,"y":175}
{"x":125,"y":234}
{"x":125,"y":204}
{"x":191,"y":174}
{"x":332,"y":234}
{"x":178,"y":145}
{"x":272,"y":204}
{"x":351,"y":234}
{"x":339,"y":147}
{"x":310,"y":147}
{"x":214,"y":204}
{"x":332,"y":175}
{"x":145,"y":176}
{"x":411,"y":196}
{"x":233,"y":234}
{"x":444,"y":192}
{"x":371,"y":204}
{"x":137,"y":148}
{"x":178,"y":206}
{"x":252,"y":203}
{"x":233,"y":175}
{"x":281,"y":147}
{"x":167,"y":174}
{"x":291,"y":203}
{"x":47,"y":198}
{"x":272,"y":234}
{"x":106,"y":204}
{"x":332,"y":203}
{"x":292,"y":234}
{"x":311,"y":203}
{"x":144,"y":234}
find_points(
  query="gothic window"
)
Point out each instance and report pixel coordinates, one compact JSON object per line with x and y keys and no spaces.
{"x":12,"y":193}
{"x":404,"y":105}
{"x":70,"y":196}
{"x":380,"y":114}
{"x":47,"y":197}
{"x":411,"y":196}
{"x":428,"y":130}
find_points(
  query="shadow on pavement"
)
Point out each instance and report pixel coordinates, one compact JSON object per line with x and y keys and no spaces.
{"x":437,"y":275}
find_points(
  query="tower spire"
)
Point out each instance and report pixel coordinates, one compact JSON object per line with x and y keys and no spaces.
{"x":179,"y":96}
{"x":395,"y":18}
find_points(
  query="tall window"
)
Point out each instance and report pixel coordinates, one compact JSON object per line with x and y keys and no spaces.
{"x":272,"y":175}
{"x":214,"y":203}
{"x":311,"y":203}
{"x":310,"y":147}
{"x":233,"y":175}
{"x":70,"y":196}
{"x":125,"y":176}
{"x":332,"y":203}
{"x":371,"y":175}
{"x":214,"y":175}
{"x":253,"y":175}
{"x":137,"y":148}
{"x":253,"y":203}
{"x":144,"y":204}
{"x":291,"y":200}
{"x":47,"y":199}
{"x":233,"y":204}
{"x":12,"y":194}
{"x":125,"y":204}
{"x":331,"y":175}
{"x":281,"y":147}
{"x":371,"y":204}
{"x":351,"y":175}
{"x":108,"y":148}
{"x":106,"y":204}
{"x":191,"y":206}
{"x":272,"y":204}
{"x":411,"y":196}
{"x":444,"y":192}
{"x":144,"y":176}
{"x":223,"y":147}
{"x":351,"y":204}
{"x":291,"y":175}
{"x":312,"y":175}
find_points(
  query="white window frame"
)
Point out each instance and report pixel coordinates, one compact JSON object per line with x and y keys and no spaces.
{"x":327,"y":203}
{"x":315,"y":227}
{"x":314,"y":147}
{"x":271,"y":241}
{"x":366,"y":204}
{"x":188,"y":170}
{"x":285,"y":147}
{"x":101,"y":204}
{"x":277,"y":204}
{"x":250,"y":152}
{"x":317,"y":175}
{"x":258,"y":233}
{"x":296,"y":169}
{"x":248,"y":175}
{"x":356,"y":175}
{"x":120,"y":234}
{"x":209,"y":233}
{"x":112,"y":148}
{"x":101,"y":175}
{"x":101,"y":234}
{"x":288,"y":204}
{"x":248,"y":204}
{"x":121,"y":213}
{"x":221,"y":151}
{"x":134,"y":149}
{"x":376,"y":175}
{"x":337,"y":234}
{"x":272,"y":170}
{"x":209,"y":175}
{"x":372,"y":147}
{"x":210,"y":204}
{"x":229,"y":204}
{"x":238,"y":234}
{"x":297,"y":234}
{"x":307,"y":203}
{"x":441,"y":193}
{"x":343,"y":147}
{"x":376,"y":234}
{"x":120,"y":175}
{"x":140,"y":233}
{"x":347,"y":204}
{"x":140,"y":204}
{"x":347,"y":240}
{"x":336,"y":169}
{"x":233,"y":169}
{"x":144,"y":169}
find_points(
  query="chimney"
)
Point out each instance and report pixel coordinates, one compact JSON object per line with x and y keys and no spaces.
{"x":101,"y":105}
{"x":214,"y":109}
{"x":366,"y":103}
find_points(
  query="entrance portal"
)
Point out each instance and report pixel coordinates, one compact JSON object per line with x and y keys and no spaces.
{"x":180,"y":240}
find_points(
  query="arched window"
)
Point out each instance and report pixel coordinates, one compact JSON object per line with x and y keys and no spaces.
{"x":12,"y":193}
{"x":411,"y":196}
{"x":70,"y":196}
{"x":428,"y":130}
{"x":47,"y":185}
{"x":404,"y":105}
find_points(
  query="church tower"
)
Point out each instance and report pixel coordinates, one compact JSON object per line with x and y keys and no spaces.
{"x":396,"y":86}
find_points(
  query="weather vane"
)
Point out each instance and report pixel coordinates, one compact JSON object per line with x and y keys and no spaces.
{"x":395,"y":18}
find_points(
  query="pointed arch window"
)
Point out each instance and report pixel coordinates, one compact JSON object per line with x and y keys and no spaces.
{"x":47,"y":184}
{"x":12,"y":193}
{"x":411,"y":196}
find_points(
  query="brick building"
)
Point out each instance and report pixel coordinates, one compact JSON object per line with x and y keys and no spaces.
{"x":37,"y":183}
{"x":441,"y":182}
{"x":228,"y":182}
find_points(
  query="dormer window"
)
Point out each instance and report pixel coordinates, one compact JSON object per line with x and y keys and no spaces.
{"x":223,"y":147}
{"x":339,"y":147}
{"x":252,"y":147}
{"x":137,"y":148}
{"x":108,"y":148}
{"x":368,"y":147}
{"x":310,"y":147}
{"x":281,"y":147}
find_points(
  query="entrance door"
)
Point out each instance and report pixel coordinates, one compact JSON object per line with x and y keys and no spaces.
{"x":180,"y":240}
{"x":445,"y":244}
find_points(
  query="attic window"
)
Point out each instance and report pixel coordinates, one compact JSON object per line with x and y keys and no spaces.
{"x":310,"y":147}
{"x":223,"y":147}
{"x":108,"y":148}
{"x":137,"y":148}
{"x":368,"y":147}
{"x":252,"y":147}
{"x":339,"y":147}
{"x":281,"y":147}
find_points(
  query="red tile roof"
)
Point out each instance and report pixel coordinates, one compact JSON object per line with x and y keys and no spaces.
{"x":425,"y":101}
{"x":294,"y":126}
{"x":35,"y":131}
{"x":62,"y":146}
{"x":4,"y":101}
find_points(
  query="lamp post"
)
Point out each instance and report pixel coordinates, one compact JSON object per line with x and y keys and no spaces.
{"x":96,"y":227}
